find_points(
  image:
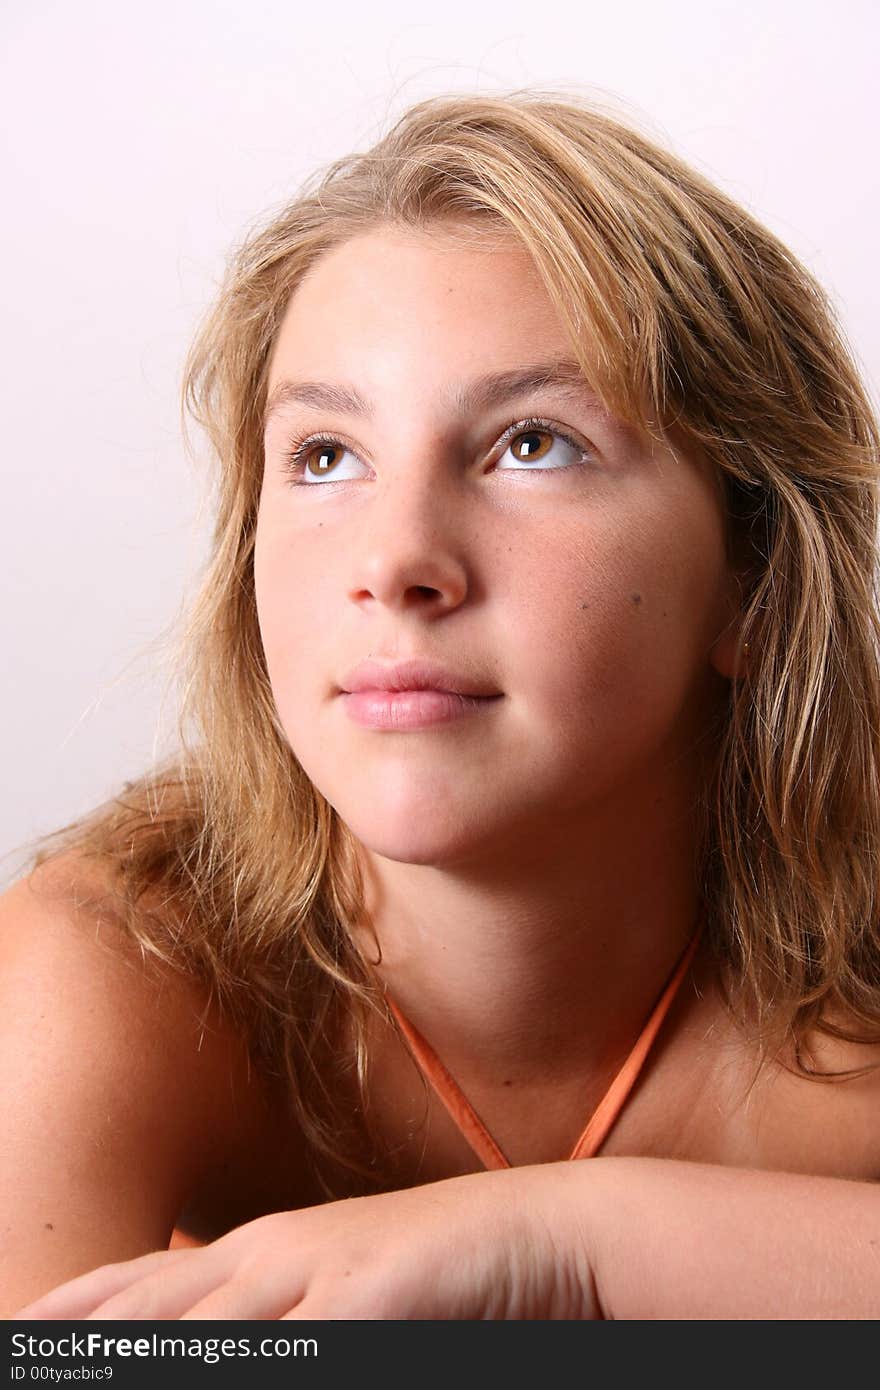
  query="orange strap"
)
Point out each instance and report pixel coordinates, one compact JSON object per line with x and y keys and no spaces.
{"x":606,"y":1112}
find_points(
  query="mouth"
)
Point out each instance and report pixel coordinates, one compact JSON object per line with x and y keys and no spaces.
{"x":416,"y":675}
{"x":398,"y":711}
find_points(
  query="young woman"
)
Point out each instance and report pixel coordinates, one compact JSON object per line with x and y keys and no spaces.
{"x":527,"y":801}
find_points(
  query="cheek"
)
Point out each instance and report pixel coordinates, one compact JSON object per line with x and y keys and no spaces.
{"x":619,"y":631}
{"x":289,"y":607}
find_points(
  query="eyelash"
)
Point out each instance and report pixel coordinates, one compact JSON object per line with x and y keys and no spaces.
{"x":295,"y":455}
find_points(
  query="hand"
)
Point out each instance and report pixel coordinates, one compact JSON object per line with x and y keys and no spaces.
{"x":495,"y":1245}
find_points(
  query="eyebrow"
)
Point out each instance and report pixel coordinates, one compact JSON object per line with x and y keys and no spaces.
{"x":565,"y":378}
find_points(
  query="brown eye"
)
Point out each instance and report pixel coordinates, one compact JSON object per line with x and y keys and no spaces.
{"x":531,"y":444}
{"x":319,"y":459}
{"x":537,"y":441}
{"x":313,"y":460}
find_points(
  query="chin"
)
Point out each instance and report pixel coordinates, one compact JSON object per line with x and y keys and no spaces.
{"x":411,"y":844}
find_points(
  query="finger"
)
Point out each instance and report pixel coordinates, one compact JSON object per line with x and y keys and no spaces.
{"x":231,"y":1300}
{"x":251,"y":1296}
{"x":322,"y":1310}
{"x":166,"y":1292}
{"x":298,"y":1313}
{"x":77,"y":1297}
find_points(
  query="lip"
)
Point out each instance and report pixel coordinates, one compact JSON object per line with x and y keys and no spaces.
{"x":414,"y":675}
{"x":401,"y":710}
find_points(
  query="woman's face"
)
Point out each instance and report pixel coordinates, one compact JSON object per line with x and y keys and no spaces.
{"x":572,"y":567}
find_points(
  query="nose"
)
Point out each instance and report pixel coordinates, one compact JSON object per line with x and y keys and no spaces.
{"x":410,"y":550}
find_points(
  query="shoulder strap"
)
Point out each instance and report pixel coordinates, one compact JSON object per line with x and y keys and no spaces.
{"x":597,"y":1128}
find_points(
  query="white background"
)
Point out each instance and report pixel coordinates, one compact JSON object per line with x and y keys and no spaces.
{"x":141,"y":142}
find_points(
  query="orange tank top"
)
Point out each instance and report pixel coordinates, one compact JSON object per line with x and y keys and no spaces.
{"x":600,"y":1122}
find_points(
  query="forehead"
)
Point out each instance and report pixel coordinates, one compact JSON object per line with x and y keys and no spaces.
{"x":397,"y":281}
{"x":394,"y":321}
{"x":454,"y":248}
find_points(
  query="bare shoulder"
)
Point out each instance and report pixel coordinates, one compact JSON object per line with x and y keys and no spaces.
{"x":817,"y":1109}
{"x":847,"y":1096}
{"x":720,"y":1098}
{"x":124,"y":1092}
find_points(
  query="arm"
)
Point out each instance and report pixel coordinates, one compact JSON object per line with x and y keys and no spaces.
{"x":669,"y":1239}
{"x":616,"y":1238}
{"x":112,"y":1095}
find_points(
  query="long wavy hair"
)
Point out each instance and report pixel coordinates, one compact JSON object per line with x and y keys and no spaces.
{"x":685,"y":312}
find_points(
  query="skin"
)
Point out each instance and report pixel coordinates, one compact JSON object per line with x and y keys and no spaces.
{"x":546,"y":843}
{"x":530,"y":869}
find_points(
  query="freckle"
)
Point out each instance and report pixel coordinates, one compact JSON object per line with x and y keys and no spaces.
{"x":585,"y":605}
{"x":507,"y":1083}
{"x":636,"y":598}
{"x":48,"y":1226}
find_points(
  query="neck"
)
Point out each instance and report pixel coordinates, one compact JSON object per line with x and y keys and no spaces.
{"x":545,"y":958}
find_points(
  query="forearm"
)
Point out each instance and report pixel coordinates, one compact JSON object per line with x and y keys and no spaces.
{"x":619,"y":1238}
{"x":661,"y":1238}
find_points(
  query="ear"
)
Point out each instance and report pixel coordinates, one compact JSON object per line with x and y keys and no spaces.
{"x":726,"y":654}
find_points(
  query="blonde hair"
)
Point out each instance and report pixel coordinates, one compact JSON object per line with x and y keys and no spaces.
{"x":684,"y":312}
